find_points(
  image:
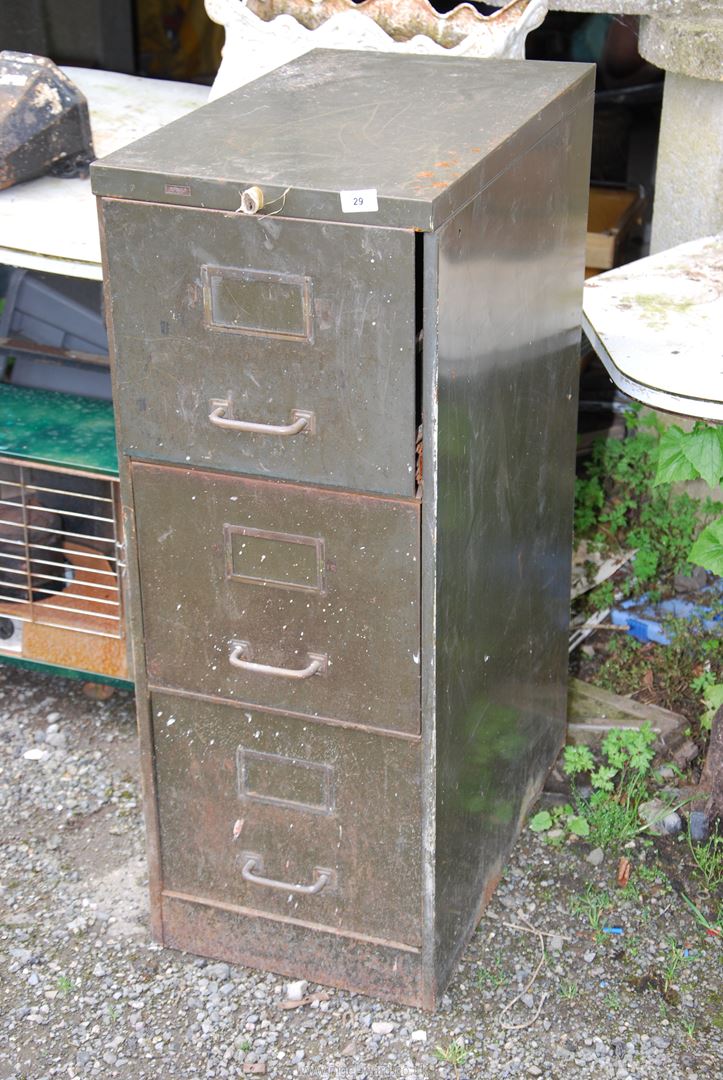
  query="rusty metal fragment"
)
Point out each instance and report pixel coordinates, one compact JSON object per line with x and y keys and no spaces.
{"x":623,"y":872}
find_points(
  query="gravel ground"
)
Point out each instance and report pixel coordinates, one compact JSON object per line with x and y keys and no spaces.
{"x":84,"y":992}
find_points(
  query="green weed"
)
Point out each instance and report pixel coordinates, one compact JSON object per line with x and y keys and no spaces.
{"x":675,"y":958}
{"x":562,"y":817}
{"x":618,"y":503}
{"x":611,"y":822}
{"x":688,"y":1027}
{"x":569,"y":990}
{"x":591,"y":904}
{"x":653,"y":875}
{"x":708,"y":858}
{"x":712,"y":701}
{"x":625,"y":499}
{"x":619,"y":783}
{"x":632,"y":946}
{"x":492,"y":976}
{"x":673,"y":669}
{"x":454,"y":1055}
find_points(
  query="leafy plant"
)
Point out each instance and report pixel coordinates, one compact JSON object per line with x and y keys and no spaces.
{"x":688,"y":455}
{"x":629,"y":749}
{"x":624,"y":499}
{"x":541,"y":821}
{"x":578,"y":759}
{"x":619,"y":783}
{"x":713,"y":699}
{"x":578,"y":826}
{"x":454,"y":1055}
{"x":564,"y":817}
{"x":707,"y":551}
{"x":619,"y":787}
{"x":703,"y":681}
{"x":651,"y":874}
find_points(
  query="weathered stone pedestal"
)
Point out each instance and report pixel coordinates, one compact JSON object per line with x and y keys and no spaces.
{"x":689,"y":179}
{"x":685,"y":38}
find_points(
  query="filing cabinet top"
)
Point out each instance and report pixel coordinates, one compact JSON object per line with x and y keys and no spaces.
{"x":361,"y":137}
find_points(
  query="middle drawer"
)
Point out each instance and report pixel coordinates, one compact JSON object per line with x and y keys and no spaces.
{"x":282,"y":596}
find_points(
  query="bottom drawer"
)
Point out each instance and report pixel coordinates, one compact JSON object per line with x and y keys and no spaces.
{"x":289,"y":818}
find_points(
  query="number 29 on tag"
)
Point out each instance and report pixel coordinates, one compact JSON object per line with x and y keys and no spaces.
{"x":363,"y":201}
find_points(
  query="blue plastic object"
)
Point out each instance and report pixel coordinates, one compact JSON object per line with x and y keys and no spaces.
{"x":645,"y":620}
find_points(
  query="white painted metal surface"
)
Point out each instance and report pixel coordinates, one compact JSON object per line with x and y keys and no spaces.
{"x":657,"y":325}
{"x":255,"y":46}
{"x":51,"y":223}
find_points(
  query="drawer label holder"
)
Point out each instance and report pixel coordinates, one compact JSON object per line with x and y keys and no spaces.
{"x":285,"y":781}
{"x":279,"y":560}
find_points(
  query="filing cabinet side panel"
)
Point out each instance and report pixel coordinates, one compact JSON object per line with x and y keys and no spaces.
{"x":130,"y":583}
{"x":510,"y":268}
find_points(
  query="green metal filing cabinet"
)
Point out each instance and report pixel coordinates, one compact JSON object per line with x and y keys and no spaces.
{"x":344,"y":317}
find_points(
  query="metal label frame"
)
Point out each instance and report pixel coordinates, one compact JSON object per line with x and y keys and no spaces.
{"x":326,"y":781}
{"x":316,"y":542}
{"x":234,"y":273}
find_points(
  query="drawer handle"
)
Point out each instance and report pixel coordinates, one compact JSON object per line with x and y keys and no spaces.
{"x":240,"y":657}
{"x":253,"y":862}
{"x":301,"y":421}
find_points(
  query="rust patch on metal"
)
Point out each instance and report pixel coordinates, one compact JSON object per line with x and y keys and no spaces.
{"x":78,"y":651}
{"x":346,"y":963}
{"x":80,"y":641}
{"x":21,"y":345}
{"x":490,"y":886}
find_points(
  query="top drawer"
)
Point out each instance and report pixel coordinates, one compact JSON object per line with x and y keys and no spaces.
{"x":219,"y":321}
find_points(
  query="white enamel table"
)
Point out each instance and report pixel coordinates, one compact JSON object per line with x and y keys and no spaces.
{"x":51,"y":223}
{"x":657,"y":326}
